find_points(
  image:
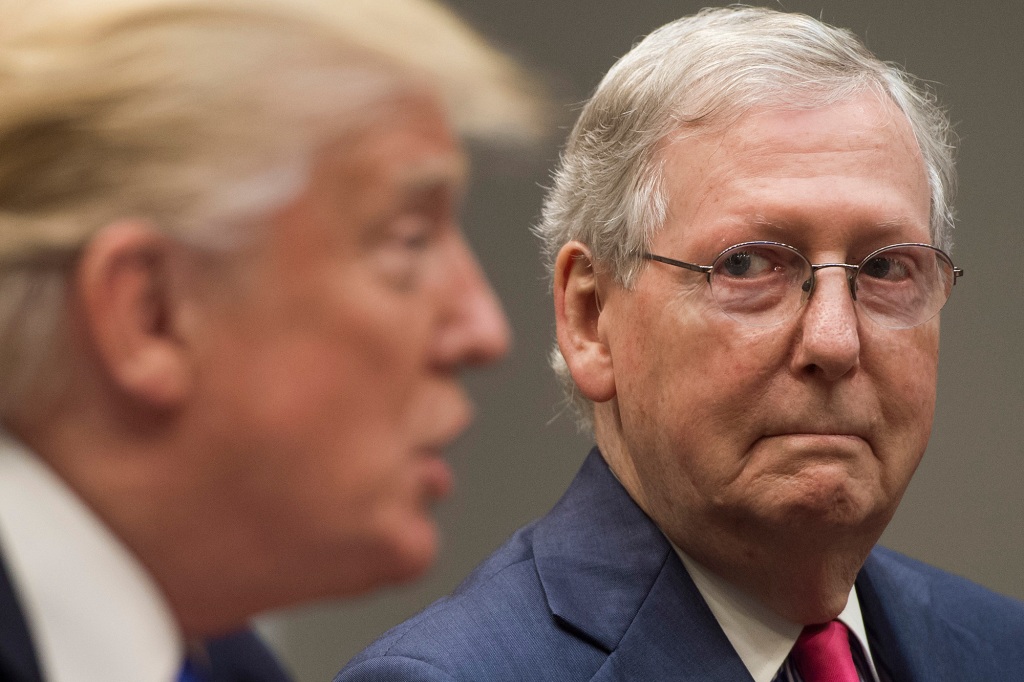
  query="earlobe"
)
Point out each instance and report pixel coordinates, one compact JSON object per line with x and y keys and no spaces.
{"x":578,"y":309}
{"x":127,"y":304}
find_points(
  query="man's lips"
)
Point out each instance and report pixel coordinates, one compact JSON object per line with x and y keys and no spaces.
{"x":814,"y":434}
{"x":438,"y":478}
{"x":837,"y":438}
{"x":836,"y":429}
{"x":815,"y":445}
{"x":434,"y":470}
{"x":437,"y":473}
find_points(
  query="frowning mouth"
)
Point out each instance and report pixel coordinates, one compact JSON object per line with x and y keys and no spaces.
{"x":846,"y":430}
{"x":814,"y":434}
{"x":818,"y":444}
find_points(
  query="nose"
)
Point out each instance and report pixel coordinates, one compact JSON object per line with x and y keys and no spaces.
{"x":473,"y":327}
{"x":829,"y":339}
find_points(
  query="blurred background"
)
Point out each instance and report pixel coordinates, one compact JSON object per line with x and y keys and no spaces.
{"x":964,"y":509}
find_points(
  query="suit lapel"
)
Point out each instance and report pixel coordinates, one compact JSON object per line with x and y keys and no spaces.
{"x":17,"y":655}
{"x":674,"y":637}
{"x":611,"y":577}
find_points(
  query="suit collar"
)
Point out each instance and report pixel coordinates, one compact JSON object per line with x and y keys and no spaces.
{"x":580,"y":550}
{"x":17,"y":655}
{"x":610,"y":576}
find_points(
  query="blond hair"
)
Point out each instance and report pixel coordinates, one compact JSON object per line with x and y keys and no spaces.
{"x":200,"y":116}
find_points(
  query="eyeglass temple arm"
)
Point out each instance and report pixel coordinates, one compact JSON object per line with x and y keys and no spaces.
{"x":705,"y":269}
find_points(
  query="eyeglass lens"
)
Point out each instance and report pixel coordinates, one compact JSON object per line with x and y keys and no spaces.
{"x":898,"y":286}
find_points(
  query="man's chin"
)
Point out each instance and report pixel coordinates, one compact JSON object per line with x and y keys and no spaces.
{"x":413,"y":552}
{"x":823,"y":499}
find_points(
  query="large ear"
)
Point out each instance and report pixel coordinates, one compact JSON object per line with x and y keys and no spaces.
{"x":128,"y":304}
{"x":577,"y":314}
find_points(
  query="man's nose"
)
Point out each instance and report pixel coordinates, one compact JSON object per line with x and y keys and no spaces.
{"x":474,"y":330}
{"x":828,"y":344}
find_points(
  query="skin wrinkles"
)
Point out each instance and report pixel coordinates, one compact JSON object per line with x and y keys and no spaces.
{"x":721,"y":431}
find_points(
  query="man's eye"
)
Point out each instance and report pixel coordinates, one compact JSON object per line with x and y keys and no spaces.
{"x":407,"y":248}
{"x":412,"y":233}
{"x":886,"y":268}
{"x":745,"y":264}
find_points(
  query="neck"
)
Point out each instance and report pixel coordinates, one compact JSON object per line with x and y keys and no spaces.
{"x":809,"y":589}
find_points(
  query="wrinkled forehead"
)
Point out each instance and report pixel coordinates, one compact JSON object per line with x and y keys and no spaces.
{"x":855,"y":160}
{"x":875,"y":109}
{"x":784,"y":124}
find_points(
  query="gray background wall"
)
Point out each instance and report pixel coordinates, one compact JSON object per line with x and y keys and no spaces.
{"x":963,"y":510}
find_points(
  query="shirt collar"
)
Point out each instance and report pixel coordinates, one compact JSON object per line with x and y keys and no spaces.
{"x":761,"y":638}
{"x":93,"y":611}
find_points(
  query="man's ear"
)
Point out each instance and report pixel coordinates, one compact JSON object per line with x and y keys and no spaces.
{"x":577,"y":314}
{"x":128,"y":307}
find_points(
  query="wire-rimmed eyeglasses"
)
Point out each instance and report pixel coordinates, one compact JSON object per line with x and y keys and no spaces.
{"x":763,"y":283}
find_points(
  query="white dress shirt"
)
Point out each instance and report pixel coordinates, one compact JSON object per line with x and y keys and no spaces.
{"x":762,"y":638}
{"x":94,"y":613}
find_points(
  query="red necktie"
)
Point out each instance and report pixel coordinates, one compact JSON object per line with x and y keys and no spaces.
{"x":822,"y":654}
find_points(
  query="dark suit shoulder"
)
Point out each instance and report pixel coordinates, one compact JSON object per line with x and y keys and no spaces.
{"x":923,"y":618}
{"x":243,"y":657}
{"x":590,"y":592}
{"x":947,"y":595}
{"x":477,"y":633}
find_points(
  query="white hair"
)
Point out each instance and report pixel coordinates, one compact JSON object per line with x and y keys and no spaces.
{"x":696,"y":75}
{"x":200,"y":116}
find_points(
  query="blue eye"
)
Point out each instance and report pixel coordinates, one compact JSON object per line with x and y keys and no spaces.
{"x":736,"y":264}
{"x":745,"y":263}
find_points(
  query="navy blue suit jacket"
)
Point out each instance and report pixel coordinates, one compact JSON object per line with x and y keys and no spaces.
{"x":236,"y":658}
{"x":593,"y":591}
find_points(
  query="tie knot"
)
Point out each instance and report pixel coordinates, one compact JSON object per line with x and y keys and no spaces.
{"x":822,"y":654}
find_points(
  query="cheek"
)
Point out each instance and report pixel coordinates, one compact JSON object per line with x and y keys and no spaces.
{"x":716,"y":382}
{"x":342,"y":383}
{"x":742,"y":368}
{"x":907,"y":374}
{"x":319,"y":399}
{"x":692,"y":398}
{"x":334,"y":438}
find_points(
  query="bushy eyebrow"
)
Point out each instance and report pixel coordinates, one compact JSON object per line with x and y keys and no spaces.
{"x":448,"y":172}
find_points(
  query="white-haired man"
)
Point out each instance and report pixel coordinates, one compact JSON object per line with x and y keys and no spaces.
{"x":747,"y":234}
{"x":234,"y":302}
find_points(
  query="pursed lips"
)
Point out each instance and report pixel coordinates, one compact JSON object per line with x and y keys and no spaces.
{"x":814,"y":444}
{"x":845,"y":431}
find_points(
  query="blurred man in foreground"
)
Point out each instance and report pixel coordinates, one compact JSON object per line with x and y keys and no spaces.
{"x":234,"y":303}
{"x":748,"y":236}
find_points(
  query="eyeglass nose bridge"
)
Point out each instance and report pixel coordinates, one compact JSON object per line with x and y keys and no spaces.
{"x":851,"y":278}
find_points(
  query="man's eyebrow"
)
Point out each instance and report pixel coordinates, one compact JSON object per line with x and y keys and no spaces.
{"x":892,"y":224}
{"x":430,"y":174}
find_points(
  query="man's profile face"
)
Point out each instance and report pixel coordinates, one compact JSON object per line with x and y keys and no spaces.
{"x":816,"y":424}
{"x":333,"y":375}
